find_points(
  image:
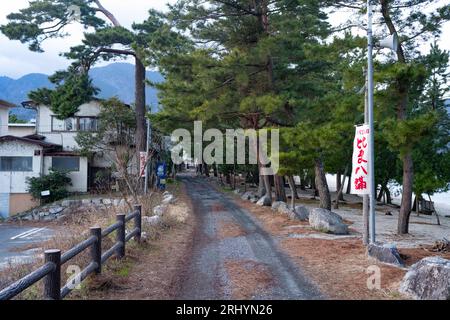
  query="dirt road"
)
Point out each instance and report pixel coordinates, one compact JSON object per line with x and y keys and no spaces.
{"x":233,"y":257}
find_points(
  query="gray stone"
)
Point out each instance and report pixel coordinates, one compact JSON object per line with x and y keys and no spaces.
{"x":386,"y":253}
{"x":50,"y":217}
{"x":264,"y":202}
{"x":152,"y":221}
{"x":86,"y":201}
{"x":284,"y":209}
{"x":159,"y":210}
{"x":248,"y":195}
{"x":116,"y":202}
{"x":71,"y":203}
{"x":428,"y":279}
{"x":254,"y":200}
{"x":301,"y":213}
{"x":56,"y":210}
{"x":168,"y":199}
{"x":327,"y":221}
{"x":96,"y":201}
{"x":41,"y":214}
{"x":236,"y":191}
{"x":107,"y":202}
{"x":277,"y":204}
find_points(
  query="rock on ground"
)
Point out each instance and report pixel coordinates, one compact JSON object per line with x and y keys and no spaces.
{"x":264,"y":202}
{"x":277,"y":204}
{"x":428,"y":279}
{"x":247,"y":195}
{"x":327,"y":221}
{"x":386,"y":253}
{"x":160,"y":210}
{"x":301,"y":213}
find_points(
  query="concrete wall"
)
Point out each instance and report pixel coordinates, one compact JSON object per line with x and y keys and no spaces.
{"x":66,"y":139}
{"x":15,"y":182}
{"x":21,"y":202}
{"x":21,"y":130}
{"x":79,"y":178}
{"x":4,"y":118}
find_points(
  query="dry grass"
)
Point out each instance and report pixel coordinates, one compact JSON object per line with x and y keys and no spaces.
{"x":69,"y":231}
{"x":153,"y":269}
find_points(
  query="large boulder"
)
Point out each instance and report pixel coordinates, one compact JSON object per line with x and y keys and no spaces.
{"x":264,"y":202}
{"x":327,"y":221}
{"x":284,"y":209}
{"x":428,"y":279}
{"x":301,"y":213}
{"x":248,"y":195}
{"x":386,"y":253}
{"x":277,"y":204}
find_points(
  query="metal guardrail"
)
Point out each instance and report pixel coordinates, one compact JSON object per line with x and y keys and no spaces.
{"x":51,"y":270}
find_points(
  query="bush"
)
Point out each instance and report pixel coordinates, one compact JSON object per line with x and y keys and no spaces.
{"x":56,"y":182}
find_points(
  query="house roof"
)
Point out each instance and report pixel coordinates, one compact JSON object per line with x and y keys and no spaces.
{"x":45,"y":145}
{"x":6,"y":104}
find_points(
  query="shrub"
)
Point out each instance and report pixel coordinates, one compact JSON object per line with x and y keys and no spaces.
{"x":56,"y":182}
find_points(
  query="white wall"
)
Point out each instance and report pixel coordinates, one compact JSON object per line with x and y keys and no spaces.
{"x":4,"y":118}
{"x":15,"y":182}
{"x":18,"y":130}
{"x":66,"y":139}
{"x":79,"y":178}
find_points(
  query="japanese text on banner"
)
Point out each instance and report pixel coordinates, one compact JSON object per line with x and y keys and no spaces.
{"x":360,"y":163}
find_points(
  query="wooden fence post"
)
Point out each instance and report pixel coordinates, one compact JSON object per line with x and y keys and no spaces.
{"x":120,"y":235}
{"x":52,"y":281}
{"x":138,"y":222}
{"x":96,"y":249}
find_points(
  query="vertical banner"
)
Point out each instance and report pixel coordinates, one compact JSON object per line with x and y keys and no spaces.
{"x":360,"y":163}
{"x":143,"y":163}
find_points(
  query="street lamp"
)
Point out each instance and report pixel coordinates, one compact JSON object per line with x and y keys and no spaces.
{"x":390,"y":42}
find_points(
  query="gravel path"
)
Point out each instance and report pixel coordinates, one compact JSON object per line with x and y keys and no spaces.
{"x":207,"y":275}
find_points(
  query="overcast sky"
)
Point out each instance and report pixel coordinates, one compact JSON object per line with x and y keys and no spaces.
{"x":16,"y":60}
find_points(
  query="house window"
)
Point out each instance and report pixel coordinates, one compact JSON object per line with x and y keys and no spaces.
{"x":66,"y":163}
{"x":16,"y":164}
{"x":75,"y":124}
{"x":88,"y":124}
{"x":69,"y":124}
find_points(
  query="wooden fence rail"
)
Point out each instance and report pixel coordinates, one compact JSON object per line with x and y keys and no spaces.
{"x":51,"y":270}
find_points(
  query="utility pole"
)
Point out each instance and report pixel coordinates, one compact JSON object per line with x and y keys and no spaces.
{"x":370,"y":90}
{"x":365,"y":196}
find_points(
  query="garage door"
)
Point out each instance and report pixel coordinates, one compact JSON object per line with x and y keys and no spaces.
{"x":4,"y":205}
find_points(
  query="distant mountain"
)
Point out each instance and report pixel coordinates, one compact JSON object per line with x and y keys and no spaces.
{"x":116,"y":79}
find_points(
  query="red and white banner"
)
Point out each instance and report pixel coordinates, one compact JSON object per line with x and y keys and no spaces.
{"x":143,"y":163}
{"x":360,"y":163}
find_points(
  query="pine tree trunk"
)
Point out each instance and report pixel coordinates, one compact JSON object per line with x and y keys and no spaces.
{"x":293,"y":187}
{"x":141,"y":134}
{"x":338,"y":181}
{"x":405,"y":208}
{"x":280,"y":192}
{"x":293,"y":191}
{"x":322,"y":185}
{"x":340,"y":194}
{"x":349,"y":185}
{"x":268,"y":187}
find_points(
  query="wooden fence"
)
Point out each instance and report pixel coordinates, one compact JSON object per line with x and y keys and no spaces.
{"x":51,"y":270}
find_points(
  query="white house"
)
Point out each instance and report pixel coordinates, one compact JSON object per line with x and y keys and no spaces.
{"x":31,"y":151}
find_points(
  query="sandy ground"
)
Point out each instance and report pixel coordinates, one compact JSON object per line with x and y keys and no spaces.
{"x":233,"y":257}
{"x":339,"y":265}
